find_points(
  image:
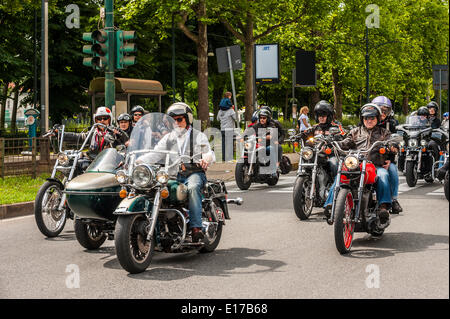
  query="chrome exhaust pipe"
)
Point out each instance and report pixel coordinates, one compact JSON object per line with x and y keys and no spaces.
{"x":237,"y":201}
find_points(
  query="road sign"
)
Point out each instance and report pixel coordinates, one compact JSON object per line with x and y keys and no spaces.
{"x":440,"y":77}
{"x":305,"y":68}
{"x":267,"y":63}
{"x":222,"y":58}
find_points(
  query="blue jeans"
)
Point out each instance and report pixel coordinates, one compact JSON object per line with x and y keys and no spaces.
{"x":386,"y":186}
{"x":195,"y":183}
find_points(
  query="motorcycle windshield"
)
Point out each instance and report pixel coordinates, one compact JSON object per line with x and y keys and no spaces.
{"x":417,"y":122}
{"x":106,"y":161}
{"x":146,"y":139}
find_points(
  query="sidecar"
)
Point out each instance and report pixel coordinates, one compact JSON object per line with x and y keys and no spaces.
{"x":94,"y":195}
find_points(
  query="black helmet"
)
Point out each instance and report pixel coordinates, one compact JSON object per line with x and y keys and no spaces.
{"x":265,"y":112}
{"x":369,"y":110}
{"x":423,"y":111}
{"x":124,"y":117}
{"x":324,"y":108}
{"x":434,"y":105}
{"x":266,"y":107}
{"x":137,"y":108}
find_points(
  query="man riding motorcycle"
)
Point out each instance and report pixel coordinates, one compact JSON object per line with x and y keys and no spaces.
{"x":136,"y":113}
{"x":124,"y":121}
{"x":387,"y":119}
{"x":265,"y":122}
{"x":363,"y":137}
{"x":186,"y":140}
{"x":324,"y":114}
{"x":433,"y":108}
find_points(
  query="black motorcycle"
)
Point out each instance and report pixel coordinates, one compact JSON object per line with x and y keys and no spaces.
{"x":314,"y":177}
{"x":419,"y":161}
{"x":355,"y":207}
{"x":254,"y":165}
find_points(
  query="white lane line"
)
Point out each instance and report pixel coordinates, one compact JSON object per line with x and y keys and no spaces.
{"x":437,"y":192}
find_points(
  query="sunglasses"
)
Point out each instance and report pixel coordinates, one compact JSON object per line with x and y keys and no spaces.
{"x":102,"y":118}
{"x":178,"y":119}
{"x":137,"y":114}
{"x":370,"y":118}
{"x":263,"y":118}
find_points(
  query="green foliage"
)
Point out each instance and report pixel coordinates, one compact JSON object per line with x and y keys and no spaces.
{"x":19,"y":189}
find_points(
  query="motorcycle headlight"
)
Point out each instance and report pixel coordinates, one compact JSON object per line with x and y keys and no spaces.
{"x":412,"y":143}
{"x":63,"y":159}
{"x":162,"y":177}
{"x":307,"y":153}
{"x":121,"y":177}
{"x":423,"y":142}
{"x":351,"y":162}
{"x":143,"y":176}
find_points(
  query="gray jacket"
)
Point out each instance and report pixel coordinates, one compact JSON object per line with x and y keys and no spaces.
{"x":227,"y":119}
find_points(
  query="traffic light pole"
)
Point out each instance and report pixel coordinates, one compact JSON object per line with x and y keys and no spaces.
{"x":110,"y":85}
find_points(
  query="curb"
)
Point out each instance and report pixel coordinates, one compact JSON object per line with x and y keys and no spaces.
{"x":16,"y":210}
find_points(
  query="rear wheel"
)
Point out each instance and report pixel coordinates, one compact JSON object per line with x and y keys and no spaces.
{"x":344,"y":226}
{"x":243,"y":180}
{"x":411,"y":173}
{"x":446,"y":187}
{"x":302,"y":205}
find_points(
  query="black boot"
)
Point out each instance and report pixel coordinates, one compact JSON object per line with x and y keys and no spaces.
{"x":396,"y":208}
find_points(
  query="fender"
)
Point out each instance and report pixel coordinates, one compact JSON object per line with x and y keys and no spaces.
{"x":136,"y":205}
{"x":57,"y":181}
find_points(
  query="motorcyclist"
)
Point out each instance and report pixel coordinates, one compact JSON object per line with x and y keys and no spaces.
{"x":100,"y":139}
{"x":136,"y":113}
{"x":363,"y":137}
{"x":324,"y":116}
{"x":387,"y":120}
{"x":267,"y":127}
{"x":124,"y":121}
{"x":424,"y":113}
{"x":433,"y":107}
{"x":186,"y":140}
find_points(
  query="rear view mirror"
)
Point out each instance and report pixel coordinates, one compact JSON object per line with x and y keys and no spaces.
{"x":334,"y":130}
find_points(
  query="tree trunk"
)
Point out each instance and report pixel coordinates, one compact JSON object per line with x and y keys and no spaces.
{"x":405,"y":102}
{"x":3,"y":98}
{"x":202,"y":67}
{"x":249,"y":79}
{"x":337,"y":93}
{"x":14,"y":110}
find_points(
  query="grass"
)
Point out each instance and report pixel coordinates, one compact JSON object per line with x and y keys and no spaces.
{"x":18,"y":189}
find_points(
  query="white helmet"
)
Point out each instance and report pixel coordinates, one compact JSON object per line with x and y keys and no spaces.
{"x":181,"y":108}
{"x":103,"y":111}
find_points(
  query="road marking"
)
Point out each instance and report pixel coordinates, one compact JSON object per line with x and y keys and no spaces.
{"x":437,"y":192}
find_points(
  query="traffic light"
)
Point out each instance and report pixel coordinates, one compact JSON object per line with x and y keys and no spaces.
{"x":98,"y":49}
{"x":125,"y":49}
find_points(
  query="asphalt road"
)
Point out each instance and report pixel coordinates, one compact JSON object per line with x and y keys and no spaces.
{"x":265,"y":252}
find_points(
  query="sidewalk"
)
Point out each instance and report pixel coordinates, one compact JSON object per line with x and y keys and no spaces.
{"x":223,"y":171}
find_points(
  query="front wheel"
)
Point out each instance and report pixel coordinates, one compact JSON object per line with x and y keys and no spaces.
{"x":133,"y":250}
{"x":89,"y":236}
{"x":302,"y":204}
{"x":49,"y":219}
{"x":243,"y":179}
{"x":213,"y":232}
{"x":344,"y":226}
{"x":411,"y":173}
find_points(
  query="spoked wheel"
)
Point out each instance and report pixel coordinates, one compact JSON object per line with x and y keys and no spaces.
{"x":89,"y":236}
{"x":49,"y":219}
{"x":302,"y":204}
{"x":411,"y":173}
{"x":133,"y":250}
{"x":344,"y":226}
{"x":243,"y":179}
{"x":213,"y":233}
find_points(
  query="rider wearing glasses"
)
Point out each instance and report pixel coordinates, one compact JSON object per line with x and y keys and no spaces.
{"x":363,"y":137}
{"x":136,"y":113}
{"x":387,"y":119}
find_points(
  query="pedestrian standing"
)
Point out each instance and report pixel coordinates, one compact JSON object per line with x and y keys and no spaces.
{"x":227,"y":119}
{"x":303,"y":121}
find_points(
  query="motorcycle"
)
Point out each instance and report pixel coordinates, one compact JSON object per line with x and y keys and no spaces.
{"x":50,"y":207}
{"x":355,"y":207}
{"x":254,"y":165}
{"x":139,"y":205}
{"x":419,"y":161}
{"x":314,"y":179}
